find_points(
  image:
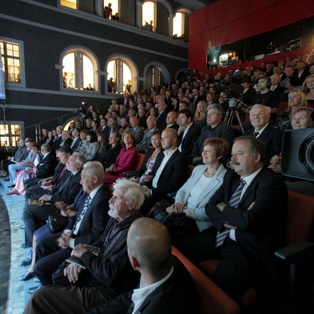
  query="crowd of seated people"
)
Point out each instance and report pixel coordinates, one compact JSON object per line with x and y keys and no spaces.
{"x":176,"y":126}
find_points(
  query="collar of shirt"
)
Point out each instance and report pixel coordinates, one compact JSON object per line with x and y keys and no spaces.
{"x":139,"y":295}
{"x":248,"y":179}
{"x":44,"y":156}
{"x":169,"y":154}
{"x":93,"y":193}
{"x":261,"y":130}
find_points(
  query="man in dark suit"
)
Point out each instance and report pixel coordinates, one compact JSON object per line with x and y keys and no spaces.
{"x":106,"y":275}
{"x":215,"y":128}
{"x":47,"y":165}
{"x":136,"y":129}
{"x":188,"y":133}
{"x":49,"y":185}
{"x":171,"y":120}
{"x":162,"y":115}
{"x":58,"y":139}
{"x":169,"y":173}
{"x":76,"y":140}
{"x":151,"y":122}
{"x":35,"y":216}
{"x":272,"y":137}
{"x":90,"y":223}
{"x":248,"y":212}
{"x":174,"y":291}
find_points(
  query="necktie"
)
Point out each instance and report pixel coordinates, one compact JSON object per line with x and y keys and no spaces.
{"x":256,"y":134}
{"x":234,"y":202}
{"x":86,"y":206}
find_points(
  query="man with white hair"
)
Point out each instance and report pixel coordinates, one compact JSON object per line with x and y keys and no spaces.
{"x":271,"y":137}
{"x":100,"y":278}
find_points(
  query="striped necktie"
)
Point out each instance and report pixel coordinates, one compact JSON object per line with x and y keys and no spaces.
{"x":86,"y":206}
{"x":234,"y":202}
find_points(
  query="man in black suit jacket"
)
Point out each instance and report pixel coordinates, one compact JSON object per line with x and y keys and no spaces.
{"x":162,"y":115}
{"x":169,"y":173}
{"x":272,"y":137}
{"x":76,"y":140}
{"x":253,"y":216}
{"x":171,"y":120}
{"x":35,"y":191}
{"x":106,"y":275}
{"x":215,"y":128}
{"x":35,"y":216}
{"x":177,"y":292}
{"x":87,"y":228}
{"x":57,"y":141}
{"x":188,"y":133}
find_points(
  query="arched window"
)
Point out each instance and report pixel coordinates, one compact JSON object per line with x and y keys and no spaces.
{"x":79,"y":70}
{"x":156,"y":74}
{"x":148,"y":16}
{"x":120,"y":73}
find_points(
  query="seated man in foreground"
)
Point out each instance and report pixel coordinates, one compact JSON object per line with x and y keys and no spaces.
{"x":249,"y":215}
{"x":165,"y":286}
{"x":106,"y":275}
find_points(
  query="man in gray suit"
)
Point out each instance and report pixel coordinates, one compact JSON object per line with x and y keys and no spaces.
{"x":136,"y":129}
{"x":146,"y":140}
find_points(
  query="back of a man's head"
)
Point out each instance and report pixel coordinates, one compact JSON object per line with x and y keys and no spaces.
{"x":149,"y":242}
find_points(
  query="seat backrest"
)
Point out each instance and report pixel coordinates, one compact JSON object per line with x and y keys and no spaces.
{"x":139,"y":161}
{"x":283,"y":105}
{"x":300,"y":219}
{"x":213,"y":299}
{"x":191,"y":167}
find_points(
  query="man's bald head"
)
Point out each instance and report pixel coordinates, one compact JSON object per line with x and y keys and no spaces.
{"x":149,"y":243}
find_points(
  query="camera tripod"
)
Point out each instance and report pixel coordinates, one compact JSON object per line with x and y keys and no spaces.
{"x":232,"y":113}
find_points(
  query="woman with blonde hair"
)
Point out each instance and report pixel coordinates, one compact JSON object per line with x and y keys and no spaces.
{"x":308,"y":89}
{"x":296,"y":100}
{"x":200,"y":115}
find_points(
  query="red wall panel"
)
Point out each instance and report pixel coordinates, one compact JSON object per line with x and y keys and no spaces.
{"x":227,"y":21}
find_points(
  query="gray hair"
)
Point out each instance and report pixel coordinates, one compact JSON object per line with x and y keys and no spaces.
{"x":94,"y":168}
{"x":216,"y":107}
{"x":80,"y":158}
{"x":133,"y":191}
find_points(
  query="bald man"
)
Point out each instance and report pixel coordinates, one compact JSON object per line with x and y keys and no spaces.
{"x":169,"y":173}
{"x":165,"y":285}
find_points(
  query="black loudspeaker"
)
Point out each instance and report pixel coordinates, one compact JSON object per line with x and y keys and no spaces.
{"x":297,"y":159}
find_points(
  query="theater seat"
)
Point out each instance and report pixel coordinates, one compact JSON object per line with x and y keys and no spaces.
{"x":300,"y":222}
{"x":213,"y":299}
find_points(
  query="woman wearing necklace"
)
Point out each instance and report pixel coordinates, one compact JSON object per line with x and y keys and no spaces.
{"x":144,"y":173}
{"x":203,"y":183}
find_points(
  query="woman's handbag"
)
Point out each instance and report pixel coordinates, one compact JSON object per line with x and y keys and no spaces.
{"x":177,"y":223}
{"x":56,"y":223}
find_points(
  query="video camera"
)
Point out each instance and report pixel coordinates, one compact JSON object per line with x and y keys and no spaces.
{"x":82,"y":110}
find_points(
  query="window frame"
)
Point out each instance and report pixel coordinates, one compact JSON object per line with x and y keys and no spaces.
{"x":79,"y":53}
{"x":22,"y":82}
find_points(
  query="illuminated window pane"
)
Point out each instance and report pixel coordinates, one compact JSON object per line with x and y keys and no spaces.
{"x":148,"y":13}
{"x":69,"y":3}
{"x":78,"y":71}
{"x":9,"y":134}
{"x":114,"y":5}
{"x":121,"y":74}
{"x":10,"y":53}
{"x":88,"y":73}
{"x":177,"y":24}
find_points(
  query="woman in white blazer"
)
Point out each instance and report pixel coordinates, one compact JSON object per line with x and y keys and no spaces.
{"x":203,"y":183}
